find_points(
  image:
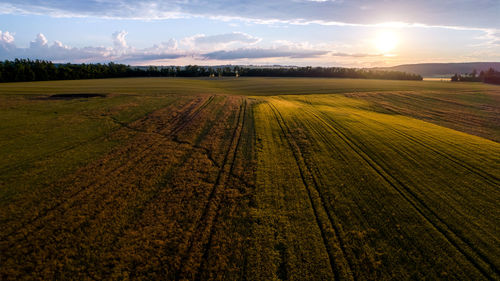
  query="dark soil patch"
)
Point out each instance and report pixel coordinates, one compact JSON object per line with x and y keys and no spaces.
{"x":75,"y":96}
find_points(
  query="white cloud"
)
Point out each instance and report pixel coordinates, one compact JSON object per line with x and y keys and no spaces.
{"x":170,"y":45}
{"x":40,"y":48}
{"x":466,"y":15}
{"x":39,"y":42}
{"x":198,"y":47}
{"x":471,"y":13}
{"x":6,"y":42}
{"x":119,"y":40}
{"x":6,"y":37}
{"x":493,"y":37}
{"x":236,"y":47}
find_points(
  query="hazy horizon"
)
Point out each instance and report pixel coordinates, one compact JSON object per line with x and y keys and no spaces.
{"x":301,"y":32}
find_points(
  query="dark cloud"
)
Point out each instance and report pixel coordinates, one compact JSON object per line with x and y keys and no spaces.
{"x":258,"y":53}
{"x":232,"y":37}
{"x":141,"y":57}
{"x":337,"y":54}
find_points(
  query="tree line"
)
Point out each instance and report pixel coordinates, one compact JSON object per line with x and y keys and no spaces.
{"x":490,"y":76}
{"x":20,"y":70}
{"x":336,"y":72}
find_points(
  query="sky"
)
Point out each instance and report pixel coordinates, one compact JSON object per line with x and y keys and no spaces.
{"x":348,"y":33}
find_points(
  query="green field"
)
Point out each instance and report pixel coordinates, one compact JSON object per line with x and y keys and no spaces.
{"x":250,"y":179}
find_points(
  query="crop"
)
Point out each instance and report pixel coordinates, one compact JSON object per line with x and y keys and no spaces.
{"x":196,"y":179}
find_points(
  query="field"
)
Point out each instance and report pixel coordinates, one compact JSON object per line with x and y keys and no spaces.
{"x":249,"y":179}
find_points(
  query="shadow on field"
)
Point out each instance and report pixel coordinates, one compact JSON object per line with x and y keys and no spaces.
{"x":70,"y":96}
{"x":74,"y":96}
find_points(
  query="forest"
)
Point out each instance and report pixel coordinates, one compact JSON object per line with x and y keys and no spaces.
{"x":491,"y":76}
{"x":25,"y":70}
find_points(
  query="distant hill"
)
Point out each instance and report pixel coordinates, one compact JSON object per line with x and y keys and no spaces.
{"x":442,"y":69}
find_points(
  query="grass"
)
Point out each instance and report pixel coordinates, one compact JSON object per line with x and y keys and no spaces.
{"x":242,"y":86}
{"x":250,"y":179}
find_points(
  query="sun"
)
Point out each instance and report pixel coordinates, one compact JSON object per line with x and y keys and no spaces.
{"x":386,"y":42}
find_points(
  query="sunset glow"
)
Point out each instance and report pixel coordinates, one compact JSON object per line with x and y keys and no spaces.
{"x":386,"y":42}
{"x":358,"y":33}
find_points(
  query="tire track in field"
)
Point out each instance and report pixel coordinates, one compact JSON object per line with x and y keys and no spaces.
{"x":56,"y":151}
{"x":43,"y":213}
{"x":206,"y":220}
{"x":99,"y":210}
{"x":152,"y":197}
{"x":485,"y":265}
{"x":182,"y":120}
{"x":309,"y":181}
{"x":439,"y":123}
{"x":469,"y":121}
{"x":455,"y":146}
{"x":490,"y":178}
{"x":119,"y":169}
{"x":179,"y":122}
{"x":241,"y":124}
{"x":182,"y":125}
{"x":70,"y":147}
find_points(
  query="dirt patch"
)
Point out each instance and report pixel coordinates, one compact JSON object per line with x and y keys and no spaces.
{"x":75,"y":96}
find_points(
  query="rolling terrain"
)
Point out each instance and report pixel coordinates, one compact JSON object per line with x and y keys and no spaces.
{"x":249,"y":179}
{"x":443,"y":69}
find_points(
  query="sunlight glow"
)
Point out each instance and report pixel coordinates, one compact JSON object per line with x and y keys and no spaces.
{"x":386,"y":42}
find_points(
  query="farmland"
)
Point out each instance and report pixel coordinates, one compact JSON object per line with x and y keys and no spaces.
{"x":249,"y":179}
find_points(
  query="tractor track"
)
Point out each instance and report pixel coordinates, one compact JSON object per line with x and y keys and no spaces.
{"x":152,"y":197}
{"x":205,"y":222}
{"x":490,"y":178}
{"x":488,"y":268}
{"x":73,"y":146}
{"x":120,"y":169}
{"x":309,"y":180}
{"x":241,"y":124}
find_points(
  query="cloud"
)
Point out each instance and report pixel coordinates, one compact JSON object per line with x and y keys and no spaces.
{"x":39,"y":42}
{"x":219,"y":41}
{"x":147,"y":57}
{"x":493,"y":37}
{"x":119,"y":39}
{"x":6,"y":37}
{"x":355,"y":55}
{"x":171,"y":44}
{"x":471,"y":13}
{"x":120,"y":51}
{"x":200,"y":48}
{"x":40,"y":48}
{"x":6,"y":42}
{"x":258,"y":53}
{"x":233,"y":37}
{"x":466,"y":15}
{"x":298,"y":51}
